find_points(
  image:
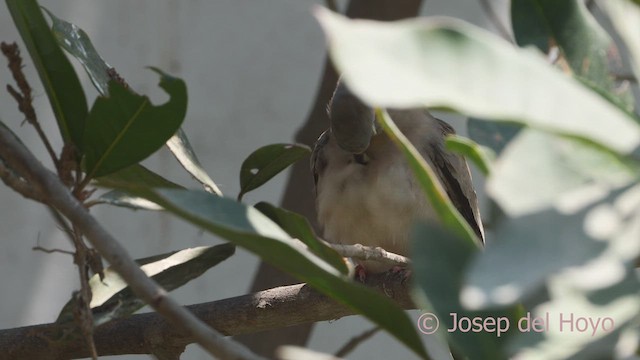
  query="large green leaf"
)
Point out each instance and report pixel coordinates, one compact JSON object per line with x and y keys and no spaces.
{"x":112,"y":298}
{"x":589,"y":239}
{"x":56,"y":73}
{"x":125,"y":128}
{"x":298,"y":227}
{"x":625,"y":17}
{"x":449,"y":64}
{"x":428,"y":180}
{"x":247,"y":227}
{"x":611,"y":314}
{"x":439,"y":260}
{"x":267,"y":162}
{"x":537,"y":170}
{"x":582,"y":42}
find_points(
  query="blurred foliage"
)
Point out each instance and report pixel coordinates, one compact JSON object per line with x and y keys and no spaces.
{"x":565,"y":175}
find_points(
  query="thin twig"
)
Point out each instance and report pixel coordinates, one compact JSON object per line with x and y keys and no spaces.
{"x":495,"y":19}
{"x":24,"y":98}
{"x":57,"y":195}
{"x":51,"y":251}
{"x":354,"y":342}
{"x":379,"y":254}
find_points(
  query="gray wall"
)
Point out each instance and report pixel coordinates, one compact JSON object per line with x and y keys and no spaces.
{"x":251,"y":68}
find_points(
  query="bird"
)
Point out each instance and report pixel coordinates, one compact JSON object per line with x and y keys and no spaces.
{"x":366,"y":192}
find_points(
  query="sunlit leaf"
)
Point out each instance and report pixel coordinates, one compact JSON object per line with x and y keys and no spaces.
{"x":112,"y":298}
{"x":247,"y":227}
{"x":75,"y":41}
{"x":297,"y":226}
{"x":448,"y":64}
{"x":182,"y":150}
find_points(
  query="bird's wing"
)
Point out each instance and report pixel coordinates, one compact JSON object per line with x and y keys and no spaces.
{"x":318,"y":158}
{"x":454,"y":175}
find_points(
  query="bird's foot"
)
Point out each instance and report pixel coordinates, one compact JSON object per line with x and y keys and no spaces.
{"x":400,"y":272}
{"x":360,"y":273}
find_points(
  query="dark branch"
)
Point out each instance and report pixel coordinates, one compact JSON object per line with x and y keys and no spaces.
{"x":140,"y":334}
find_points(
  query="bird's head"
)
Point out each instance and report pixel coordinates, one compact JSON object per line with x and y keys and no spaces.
{"x":352,"y":122}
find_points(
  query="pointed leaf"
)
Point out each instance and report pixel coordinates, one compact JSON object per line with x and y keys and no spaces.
{"x":182,"y":150}
{"x":132,"y":176}
{"x":428,"y":180}
{"x":135,"y":176}
{"x":124,"y":128}
{"x":298,"y":227}
{"x":113,"y":298}
{"x":60,"y":81}
{"x":449,"y":64}
{"x":247,"y":227}
{"x":76,"y":42}
{"x":267,"y":162}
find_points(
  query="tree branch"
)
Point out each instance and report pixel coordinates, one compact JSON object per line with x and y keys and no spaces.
{"x":140,"y":334}
{"x":18,"y":157}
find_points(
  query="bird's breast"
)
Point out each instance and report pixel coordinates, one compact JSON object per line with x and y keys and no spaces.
{"x":373,"y":204}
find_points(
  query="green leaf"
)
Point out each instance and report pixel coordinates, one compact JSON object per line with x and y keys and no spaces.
{"x":428,"y":180}
{"x":113,"y":298}
{"x":182,"y":150}
{"x":267,"y":162}
{"x":123,"y":199}
{"x":298,"y":227}
{"x":135,"y":176}
{"x":589,"y":239}
{"x":247,"y":227}
{"x":76,"y":42}
{"x":537,"y":170}
{"x":132,"y":176}
{"x":614,"y":309}
{"x":449,"y":64}
{"x":60,"y":81}
{"x":582,"y":42}
{"x":124,"y":128}
{"x":439,"y":260}
{"x":625,"y":17}
{"x":474,"y":152}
